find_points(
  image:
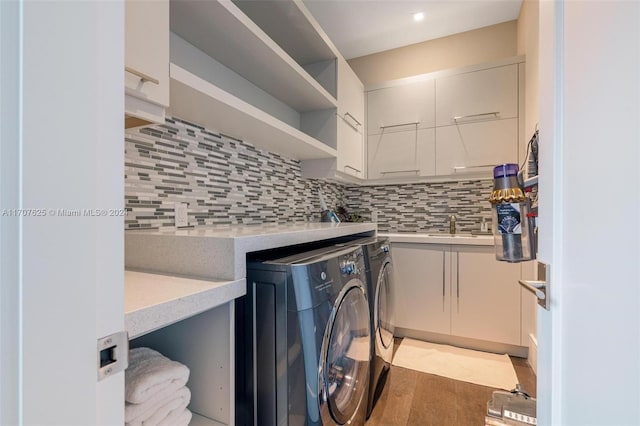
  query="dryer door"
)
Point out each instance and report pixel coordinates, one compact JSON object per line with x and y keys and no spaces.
{"x":346,"y":363}
{"x":383,"y":315}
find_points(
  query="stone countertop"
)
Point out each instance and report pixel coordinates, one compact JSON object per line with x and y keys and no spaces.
{"x":436,"y":238}
{"x":219,"y":253}
{"x":153,"y":301}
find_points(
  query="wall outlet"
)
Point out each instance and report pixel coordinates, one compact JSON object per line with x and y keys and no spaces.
{"x":374,"y":216}
{"x":182,"y":216}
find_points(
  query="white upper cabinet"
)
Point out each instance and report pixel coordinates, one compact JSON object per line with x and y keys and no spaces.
{"x":473,"y":113}
{"x":350,"y":121}
{"x":350,"y":94}
{"x":394,"y":108}
{"x":476,"y":147}
{"x":147,"y":59}
{"x":479,"y":95}
{"x":407,"y":153}
{"x":350,"y":149}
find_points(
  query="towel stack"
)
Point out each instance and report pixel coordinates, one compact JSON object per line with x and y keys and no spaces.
{"x":155,"y":391}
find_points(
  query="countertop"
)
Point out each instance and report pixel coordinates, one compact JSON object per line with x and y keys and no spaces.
{"x":153,"y":301}
{"x":433,"y":238}
{"x":220,"y":253}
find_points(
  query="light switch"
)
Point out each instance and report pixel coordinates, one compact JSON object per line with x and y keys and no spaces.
{"x":182,"y":216}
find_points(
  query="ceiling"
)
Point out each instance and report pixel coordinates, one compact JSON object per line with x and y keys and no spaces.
{"x":362,"y":27}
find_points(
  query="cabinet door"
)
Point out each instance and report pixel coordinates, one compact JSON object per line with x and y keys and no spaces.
{"x":477,"y":95}
{"x":485,"y":296}
{"x":422,"y":291}
{"x":350,"y":149}
{"x":394,"y":106}
{"x":476,"y":146}
{"x":350,"y":94}
{"x":401,"y":154}
{"x":147,"y":50}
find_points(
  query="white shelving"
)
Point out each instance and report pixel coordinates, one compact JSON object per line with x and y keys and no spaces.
{"x":198,"y":100}
{"x":198,"y":420}
{"x":223,"y":31}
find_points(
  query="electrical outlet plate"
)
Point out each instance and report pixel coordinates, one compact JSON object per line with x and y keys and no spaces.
{"x":374,"y":216}
{"x":181,"y":214}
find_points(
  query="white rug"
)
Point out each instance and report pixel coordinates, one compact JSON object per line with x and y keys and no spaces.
{"x":482,"y":368}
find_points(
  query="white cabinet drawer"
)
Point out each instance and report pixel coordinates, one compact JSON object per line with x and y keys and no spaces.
{"x":394,"y":106}
{"x":401,"y":154}
{"x":475,"y":147}
{"x":479,"y":95}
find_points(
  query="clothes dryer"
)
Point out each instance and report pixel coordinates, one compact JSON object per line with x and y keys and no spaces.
{"x":303,"y":346}
{"x":380,"y":292}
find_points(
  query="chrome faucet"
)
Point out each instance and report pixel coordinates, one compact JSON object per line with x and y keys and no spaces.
{"x":452,"y":224}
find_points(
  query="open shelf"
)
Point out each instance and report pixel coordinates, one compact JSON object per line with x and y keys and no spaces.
{"x":310,"y":43}
{"x":198,"y":100}
{"x":198,"y":420}
{"x":223,"y":31}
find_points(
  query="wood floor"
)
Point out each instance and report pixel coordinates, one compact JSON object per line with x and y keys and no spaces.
{"x":414,"y":398}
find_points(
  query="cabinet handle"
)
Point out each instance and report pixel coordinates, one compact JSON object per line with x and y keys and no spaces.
{"x":443,"y":279}
{"x":400,"y":171}
{"x":458,"y":278}
{"x":143,"y":77}
{"x":415,"y":123}
{"x":462,"y":117}
{"x":456,"y":169}
{"x":346,"y":114}
{"x":353,"y":168}
{"x":348,"y":123}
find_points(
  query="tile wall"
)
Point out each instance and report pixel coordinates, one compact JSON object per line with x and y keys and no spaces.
{"x":225,"y":181}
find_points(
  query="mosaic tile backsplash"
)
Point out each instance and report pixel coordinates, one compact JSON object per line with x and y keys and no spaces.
{"x":225,"y":181}
{"x":423,"y":207}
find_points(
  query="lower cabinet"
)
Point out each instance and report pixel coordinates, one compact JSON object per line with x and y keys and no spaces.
{"x":461,"y":291}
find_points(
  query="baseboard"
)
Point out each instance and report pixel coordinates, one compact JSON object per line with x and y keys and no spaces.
{"x":533,"y":353}
{"x":463,"y":342}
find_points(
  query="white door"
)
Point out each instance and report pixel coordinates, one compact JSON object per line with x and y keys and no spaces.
{"x":62,"y":272}
{"x":589,"y":342}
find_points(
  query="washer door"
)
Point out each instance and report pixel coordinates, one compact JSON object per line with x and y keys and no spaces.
{"x":347,"y":358}
{"x":384,"y":307}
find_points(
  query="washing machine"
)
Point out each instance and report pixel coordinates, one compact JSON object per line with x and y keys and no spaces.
{"x":303,"y":346}
{"x":380,"y":290}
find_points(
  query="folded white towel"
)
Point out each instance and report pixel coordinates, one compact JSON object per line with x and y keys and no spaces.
{"x":180,"y":419}
{"x":150,"y":373}
{"x":154,"y":412}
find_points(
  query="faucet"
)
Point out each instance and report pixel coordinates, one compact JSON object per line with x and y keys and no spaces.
{"x":452,"y":224}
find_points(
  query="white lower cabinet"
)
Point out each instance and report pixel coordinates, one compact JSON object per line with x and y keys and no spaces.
{"x":422,"y":296}
{"x":401,"y":154}
{"x":485,"y":296}
{"x":462,"y":291}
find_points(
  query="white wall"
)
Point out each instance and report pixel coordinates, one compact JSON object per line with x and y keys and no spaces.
{"x":65,"y":274}
{"x":589,"y":343}
{"x":9,"y":239}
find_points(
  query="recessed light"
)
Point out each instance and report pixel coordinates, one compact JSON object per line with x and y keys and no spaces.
{"x":418,"y":16}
